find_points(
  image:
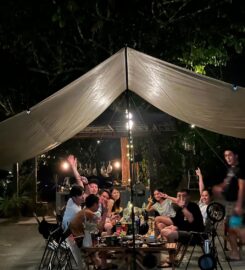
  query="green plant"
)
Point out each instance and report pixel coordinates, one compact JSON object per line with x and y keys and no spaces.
{"x":12,"y":206}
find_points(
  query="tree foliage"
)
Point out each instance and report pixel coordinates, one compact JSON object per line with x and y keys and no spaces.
{"x":46,"y":44}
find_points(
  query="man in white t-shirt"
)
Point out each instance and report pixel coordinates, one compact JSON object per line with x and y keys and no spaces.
{"x":73,"y":205}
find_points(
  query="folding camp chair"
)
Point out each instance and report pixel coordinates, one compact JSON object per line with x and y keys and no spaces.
{"x":195,"y":239}
{"x":52,"y":244}
{"x":216,"y":213}
{"x":62,"y":257}
{"x":52,"y":233}
{"x":44,"y":227}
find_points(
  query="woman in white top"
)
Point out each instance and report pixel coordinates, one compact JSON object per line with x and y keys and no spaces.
{"x":205,"y":196}
{"x":163,"y":206}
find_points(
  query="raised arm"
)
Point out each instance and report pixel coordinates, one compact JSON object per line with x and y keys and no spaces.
{"x":166,"y":196}
{"x":81,"y":180}
{"x":200,"y":177}
{"x":149,"y":205}
{"x":101,"y":223}
{"x":109,"y":207}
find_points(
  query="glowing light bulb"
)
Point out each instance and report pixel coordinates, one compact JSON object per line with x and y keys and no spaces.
{"x":117,"y":164}
{"x":65,"y":165}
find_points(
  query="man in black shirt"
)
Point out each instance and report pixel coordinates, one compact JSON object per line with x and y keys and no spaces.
{"x":232,"y":188}
{"x":188,"y":218}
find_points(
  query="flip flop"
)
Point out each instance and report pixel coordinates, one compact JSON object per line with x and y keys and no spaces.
{"x":165,"y":265}
{"x":167,"y":260}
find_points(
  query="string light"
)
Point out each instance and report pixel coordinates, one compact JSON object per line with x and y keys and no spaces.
{"x":129,"y":126}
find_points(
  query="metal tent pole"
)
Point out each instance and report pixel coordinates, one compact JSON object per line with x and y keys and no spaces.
{"x":35,"y":172}
{"x":17,"y":179}
{"x":130,"y":156}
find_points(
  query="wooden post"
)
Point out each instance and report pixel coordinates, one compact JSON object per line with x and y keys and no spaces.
{"x":125,"y":161}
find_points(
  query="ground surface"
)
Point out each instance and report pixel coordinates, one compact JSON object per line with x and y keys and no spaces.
{"x":21,"y":248}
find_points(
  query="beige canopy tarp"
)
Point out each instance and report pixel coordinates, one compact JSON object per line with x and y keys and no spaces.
{"x":196,"y":99}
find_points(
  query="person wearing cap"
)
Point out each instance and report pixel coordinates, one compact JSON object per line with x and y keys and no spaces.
{"x":92,"y":187}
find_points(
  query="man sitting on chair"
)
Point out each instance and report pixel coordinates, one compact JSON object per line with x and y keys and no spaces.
{"x":188,"y":218}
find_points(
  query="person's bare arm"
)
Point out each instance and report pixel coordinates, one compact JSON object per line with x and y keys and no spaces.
{"x":101,"y":223}
{"x":188,"y":215}
{"x":166,"y":196}
{"x":149,"y":205}
{"x":81,"y":180}
{"x":109,"y":207}
{"x":200,"y":180}
{"x":240,"y":197}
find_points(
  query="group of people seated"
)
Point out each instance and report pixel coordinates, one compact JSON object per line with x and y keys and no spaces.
{"x":89,"y":209}
{"x":178,"y":216}
{"x":190,"y":216}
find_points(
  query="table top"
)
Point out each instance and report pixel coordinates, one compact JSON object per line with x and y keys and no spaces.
{"x":128,"y":251}
{"x":164,"y":246}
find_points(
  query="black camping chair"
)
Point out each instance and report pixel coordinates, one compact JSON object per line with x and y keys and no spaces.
{"x":52,"y":234}
{"x":215,"y":213}
{"x":62,"y":257}
{"x":57,"y":254}
{"x":44,"y":227}
{"x":48,"y":257}
{"x":191,"y":239}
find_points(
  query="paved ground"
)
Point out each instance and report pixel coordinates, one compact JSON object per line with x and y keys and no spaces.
{"x":21,"y":248}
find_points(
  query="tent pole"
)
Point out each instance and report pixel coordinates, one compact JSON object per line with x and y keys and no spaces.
{"x":17,"y":179}
{"x":35,"y":172}
{"x":131,"y":159}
